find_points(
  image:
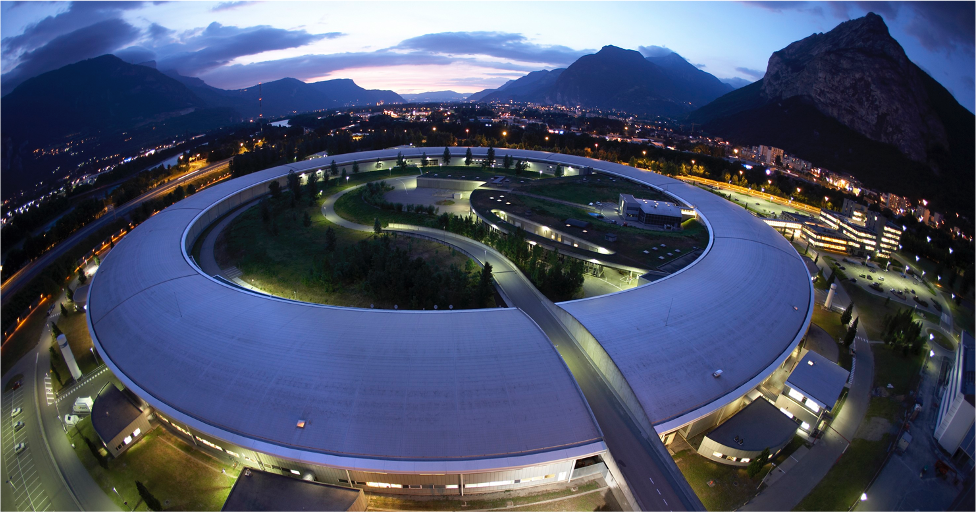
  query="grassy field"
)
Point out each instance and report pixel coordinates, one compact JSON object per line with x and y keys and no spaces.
{"x":731,"y":488}
{"x":941,"y":340}
{"x":353,"y":208}
{"x":871,"y":310}
{"x":280,"y":265}
{"x":572,"y":501}
{"x":181,"y":477}
{"x":590,"y":189}
{"x":891,"y":367}
{"x":830,"y":322}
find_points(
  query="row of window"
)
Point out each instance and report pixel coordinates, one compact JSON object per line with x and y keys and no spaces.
{"x":730,"y":457}
{"x":809,"y":403}
{"x":128,"y":439}
{"x":385,"y":485}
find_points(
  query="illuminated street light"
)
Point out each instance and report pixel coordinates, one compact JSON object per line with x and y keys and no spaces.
{"x":917,"y":259}
{"x":864,"y":497}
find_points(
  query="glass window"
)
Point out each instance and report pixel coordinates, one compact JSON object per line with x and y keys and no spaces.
{"x":795,"y":394}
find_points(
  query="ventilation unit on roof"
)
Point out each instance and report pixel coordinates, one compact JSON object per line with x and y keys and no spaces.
{"x":717,"y":373}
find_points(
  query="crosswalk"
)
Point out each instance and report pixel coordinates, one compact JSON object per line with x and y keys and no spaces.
{"x":21,"y":478}
{"x":48,"y":389}
{"x":68,"y":392}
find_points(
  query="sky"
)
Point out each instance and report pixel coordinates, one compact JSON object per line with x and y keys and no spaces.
{"x":413,"y":47}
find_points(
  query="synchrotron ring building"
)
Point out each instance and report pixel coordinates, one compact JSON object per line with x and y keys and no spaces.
{"x":454,"y":401}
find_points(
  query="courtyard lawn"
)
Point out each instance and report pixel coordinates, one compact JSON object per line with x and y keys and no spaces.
{"x":731,"y":486}
{"x":941,"y":340}
{"x":474,"y":172}
{"x":902,"y":372}
{"x":846,"y":480}
{"x":830,"y":321}
{"x":180,"y":476}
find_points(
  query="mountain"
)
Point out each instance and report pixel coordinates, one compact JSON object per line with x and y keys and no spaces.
{"x":615,"y":78}
{"x":346,"y":93}
{"x":435,"y":97}
{"x":850,"y":100}
{"x":703,"y":86}
{"x":735,"y":82}
{"x":527,"y":88}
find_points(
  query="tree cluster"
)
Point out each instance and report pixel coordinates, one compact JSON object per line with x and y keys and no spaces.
{"x":901,"y":331}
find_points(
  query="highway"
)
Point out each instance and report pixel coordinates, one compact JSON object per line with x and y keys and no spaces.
{"x":647,"y":469}
{"x":34,"y":268}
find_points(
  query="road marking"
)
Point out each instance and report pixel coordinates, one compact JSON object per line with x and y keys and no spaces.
{"x":652,"y":481}
{"x":659,"y":491}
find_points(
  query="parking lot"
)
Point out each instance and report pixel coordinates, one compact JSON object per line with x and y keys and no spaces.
{"x":893,"y":283}
{"x":21,"y":479}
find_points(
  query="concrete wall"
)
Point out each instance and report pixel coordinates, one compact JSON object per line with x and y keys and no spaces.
{"x":448,"y":184}
{"x":547,"y":473}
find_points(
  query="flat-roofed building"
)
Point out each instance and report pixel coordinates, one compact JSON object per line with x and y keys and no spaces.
{"x":651,"y":211}
{"x":811,"y":390}
{"x":955,"y":421}
{"x":261,"y":490}
{"x":117,"y":421}
{"x":747,"y":433}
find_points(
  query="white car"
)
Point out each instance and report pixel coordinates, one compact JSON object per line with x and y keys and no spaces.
{"x":71,"y":419}
{"x":19,"y":425}
{"x":15,"y":412}
{"x":19,"y":447}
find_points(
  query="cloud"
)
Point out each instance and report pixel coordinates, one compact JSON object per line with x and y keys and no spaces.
{"x":135,"y":54}
{"x":752,"y":73}
{"x":159,"y":34}
{"x":700,"y":66}
{"x":227,"y":6}
{"x":91,"y":41}
{"x":943,"y":26}
{"x":79,"y":14}
{"x":217,"y":45}
{"x":502,"y":45}
{"x":654,"y":51}
{"x":780,"y":6}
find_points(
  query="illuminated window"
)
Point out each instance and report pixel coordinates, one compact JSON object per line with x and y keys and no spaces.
{"x":127,"y":440}
{"x":786,"y":412}
{"x":795,"y":394}
{"x":745,"y":459}
{"x":717,"y":455}
{"x":451,"y":486}
{"x":292,"y":471}
{"x":805,"y":425}
{"x":229,"y":452}
{"x":490,"y":484}
{"x":135,"y":433}
{"x":384,"y":485}
{"x":811,"y":405}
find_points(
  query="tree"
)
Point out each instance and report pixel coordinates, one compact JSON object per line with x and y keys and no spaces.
{"x":846,"y":316}
{"x":831,"y":279}
{"x":54,"y":328}
{"x":70,"y":293}
{"x":852,"y":331}
{"x":330,"y":239}
{"x":446,"y":157}
{"x":64,"y":311}
{"x":820,"y":276}
{"x":424,"y":159}
{"x":306,"y":219}
{"x":887,"y":300}
{"x":294,"y":184}
{"x":191,"y":190}
{"x":377,"y":228}
{"x":816,"y":256}
{"x":559,"y":171}
{"x":151,"y":501}
{"x":82,"y":278}
{"x":343,"y":176}
{"x":379,"y":164}
{"x":506,"y":162}
{"x":484,"y":291}
{"x":401,"y":161}
{"x":468,"y":157}
{"x":756,"y":465}
{"x":490,"y":157}
{"x":275,"y":188}
{"x":333,"y":168}
{"x":356,"y":167}
{"x":313,"y":185}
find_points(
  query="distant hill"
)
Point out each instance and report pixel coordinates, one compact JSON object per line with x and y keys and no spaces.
{"x":346,"y":93}
{"x":735,"y":82}
{"x":615,"y":78}
{"x":850,"y":100}
{"x":434,"y":97}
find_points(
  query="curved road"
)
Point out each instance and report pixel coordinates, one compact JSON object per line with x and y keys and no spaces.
{"x":32,"y":269}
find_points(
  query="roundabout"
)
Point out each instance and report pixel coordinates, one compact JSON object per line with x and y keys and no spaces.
{"x":449,"y":402}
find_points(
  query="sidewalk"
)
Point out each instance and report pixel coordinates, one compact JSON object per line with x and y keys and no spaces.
{"x":788,"y":489}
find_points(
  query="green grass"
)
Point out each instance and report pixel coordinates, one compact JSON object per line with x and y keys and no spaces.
{"x":175,"y":472}
{"x":842,"y":486}
{"x":871,"y":310}
{"x":280,"y":265}
{"x":592,"y":501}
{"x":75,"y":328}
{"x":942,"y":340}
{"x":830,"y":321}
{"x":352,"y":207}
{"x":733,"y":487}
{"x":589,"y":189}
{"x":891,"y":367}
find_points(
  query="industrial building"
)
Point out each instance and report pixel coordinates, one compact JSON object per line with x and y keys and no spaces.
{"x":652,"y":212}
{"x":439,"y":402}
{"x":811,"y":391}
{"x":955,"y":421}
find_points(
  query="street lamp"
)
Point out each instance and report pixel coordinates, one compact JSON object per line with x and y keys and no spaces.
{"x":124,"y":502}
{"x":94,"y":354}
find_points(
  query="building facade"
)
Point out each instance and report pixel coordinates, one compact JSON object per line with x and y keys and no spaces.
{"x":955,"y":421}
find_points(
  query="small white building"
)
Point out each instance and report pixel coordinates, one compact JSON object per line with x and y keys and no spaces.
{"x":811,"y":391}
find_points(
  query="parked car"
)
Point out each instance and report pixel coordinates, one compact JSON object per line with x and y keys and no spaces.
{"x":15,"y":412}
{"x":19,"y":425}
{"x":19,"y":447}
{"x":853,"y":280}
{"x":861,"y":276}
{"x":17,"y":384}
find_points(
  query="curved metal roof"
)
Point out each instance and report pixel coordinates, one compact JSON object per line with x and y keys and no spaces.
{"x":426,"y":386}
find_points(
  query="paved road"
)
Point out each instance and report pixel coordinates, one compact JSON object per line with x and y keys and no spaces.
{"x":32,"y":269}
{"x":649,"y":472}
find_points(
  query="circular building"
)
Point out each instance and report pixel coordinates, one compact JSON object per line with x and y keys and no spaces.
{"x":437,"y":401}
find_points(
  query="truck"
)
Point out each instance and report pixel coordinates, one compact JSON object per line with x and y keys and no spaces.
{"x":904,"y":442}
{"x":83,"y":404}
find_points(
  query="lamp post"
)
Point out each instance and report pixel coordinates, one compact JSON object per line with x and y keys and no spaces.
{"x":124,"y":502}
{"x":94,"y":355}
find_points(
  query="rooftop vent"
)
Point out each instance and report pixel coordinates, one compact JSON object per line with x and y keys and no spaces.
{"x":717,"y":373}
{"x":300,"y":424}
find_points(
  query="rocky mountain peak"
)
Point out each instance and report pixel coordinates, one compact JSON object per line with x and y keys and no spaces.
{"x":858,"y":74}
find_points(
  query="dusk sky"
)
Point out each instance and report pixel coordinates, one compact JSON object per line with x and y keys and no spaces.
{"x":462,"y":46}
